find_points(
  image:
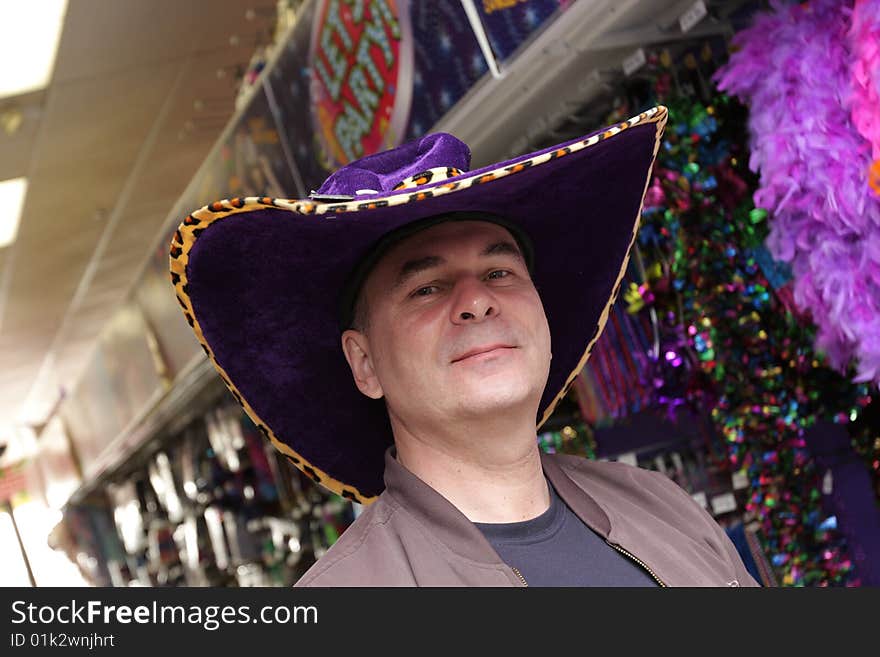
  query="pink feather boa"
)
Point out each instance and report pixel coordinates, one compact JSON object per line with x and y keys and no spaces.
{"x":864,"y":37}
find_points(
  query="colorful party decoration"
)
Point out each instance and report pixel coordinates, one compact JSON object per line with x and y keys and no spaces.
{"x":615,"y":383}
{"x":733,"y":343}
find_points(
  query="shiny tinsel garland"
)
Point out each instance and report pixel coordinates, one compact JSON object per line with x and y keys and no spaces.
{"x":733,"y":341}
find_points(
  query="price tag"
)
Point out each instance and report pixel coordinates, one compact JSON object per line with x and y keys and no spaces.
{"x":700,"y":498}
{"x":695,"y":13}
{"x":723,"y":503}
{"x":740,"y":480}
{"x":634,"y":62}
{"x":628,"y":457}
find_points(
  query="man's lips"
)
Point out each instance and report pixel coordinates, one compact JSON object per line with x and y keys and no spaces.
{"x":482,"y":350}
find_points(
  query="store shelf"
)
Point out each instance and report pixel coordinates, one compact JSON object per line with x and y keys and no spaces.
{"x":565,"y":67}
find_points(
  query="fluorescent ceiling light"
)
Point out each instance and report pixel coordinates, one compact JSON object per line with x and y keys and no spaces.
{"x":31,"y":33}
{"x":11,"y":201}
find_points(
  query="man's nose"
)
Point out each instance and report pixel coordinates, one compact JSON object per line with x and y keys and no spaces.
{"x":473,"y":301}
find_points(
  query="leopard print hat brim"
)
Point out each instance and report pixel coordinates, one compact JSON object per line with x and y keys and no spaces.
{"x":259,"y":279}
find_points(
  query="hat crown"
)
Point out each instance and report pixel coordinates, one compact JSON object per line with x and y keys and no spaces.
{"x":400,"y":167}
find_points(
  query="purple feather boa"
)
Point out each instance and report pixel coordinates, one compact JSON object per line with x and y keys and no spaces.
{"x":793,"y":69}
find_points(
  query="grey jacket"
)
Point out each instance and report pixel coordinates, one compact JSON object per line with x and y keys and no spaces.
{"x":412,"y":536}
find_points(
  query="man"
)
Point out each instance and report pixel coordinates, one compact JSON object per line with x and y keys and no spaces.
{"x":446,"y":291}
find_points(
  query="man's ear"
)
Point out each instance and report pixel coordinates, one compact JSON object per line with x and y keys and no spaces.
{"x":356,"y":348}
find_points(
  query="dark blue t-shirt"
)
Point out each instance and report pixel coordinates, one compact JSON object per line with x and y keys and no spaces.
{"x":558,"y":549}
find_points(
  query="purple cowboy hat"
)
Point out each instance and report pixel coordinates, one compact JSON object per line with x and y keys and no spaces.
{"x":260,"y":280}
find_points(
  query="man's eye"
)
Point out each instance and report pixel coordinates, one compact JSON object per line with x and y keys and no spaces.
{"x":499,"y":273}
{"x":424,"y":291}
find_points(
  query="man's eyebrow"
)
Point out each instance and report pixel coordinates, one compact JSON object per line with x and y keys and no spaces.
{"x":498,"y":248}
{"x":412,"y":267}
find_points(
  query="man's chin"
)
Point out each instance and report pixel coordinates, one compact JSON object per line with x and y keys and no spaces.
{"x":477,"y":402}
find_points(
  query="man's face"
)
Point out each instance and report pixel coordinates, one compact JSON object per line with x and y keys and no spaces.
{"x":455,"y":328}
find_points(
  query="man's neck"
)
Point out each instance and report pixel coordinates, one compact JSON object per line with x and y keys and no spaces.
{"x":491,"y":477}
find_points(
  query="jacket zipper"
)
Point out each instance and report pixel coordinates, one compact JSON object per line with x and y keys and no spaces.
{"x":638,"y":561}
{"x":519,"y":574}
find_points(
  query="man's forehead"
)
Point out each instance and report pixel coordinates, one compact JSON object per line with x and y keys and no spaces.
{"x":448,"y":239}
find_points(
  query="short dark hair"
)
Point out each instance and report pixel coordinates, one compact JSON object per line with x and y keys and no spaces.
{"x":361,"y":318}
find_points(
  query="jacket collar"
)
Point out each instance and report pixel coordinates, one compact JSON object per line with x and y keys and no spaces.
{"x":577,"y":499}
{"x":450,"y":526}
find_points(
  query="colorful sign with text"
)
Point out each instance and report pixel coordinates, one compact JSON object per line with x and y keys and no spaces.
{"x":358,"y":59}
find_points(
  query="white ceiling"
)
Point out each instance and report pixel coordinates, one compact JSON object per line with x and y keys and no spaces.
{"x":107,"y":148}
